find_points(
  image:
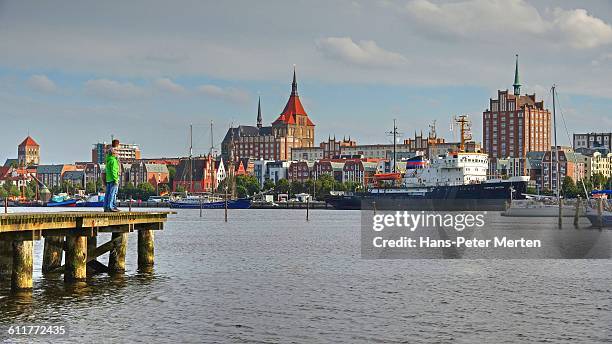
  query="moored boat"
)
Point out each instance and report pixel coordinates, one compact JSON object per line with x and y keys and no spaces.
{"x":192,"y":203}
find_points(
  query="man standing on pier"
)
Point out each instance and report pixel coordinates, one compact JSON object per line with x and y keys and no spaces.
{"x":112,"y":177}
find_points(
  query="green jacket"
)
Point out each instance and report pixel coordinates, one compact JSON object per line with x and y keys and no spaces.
{"x":112,"y":168}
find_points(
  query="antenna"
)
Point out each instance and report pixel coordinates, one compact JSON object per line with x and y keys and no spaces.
{"x":395,"y":133}
{"x":465,"y":127}
{"x":212,"y":140}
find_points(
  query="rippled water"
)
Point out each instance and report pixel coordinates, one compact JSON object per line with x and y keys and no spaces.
{"x":270,"y":276}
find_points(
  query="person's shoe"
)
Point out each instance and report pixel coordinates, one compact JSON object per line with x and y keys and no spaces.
{"x":107,"y":210}
{"x":115,"y":210}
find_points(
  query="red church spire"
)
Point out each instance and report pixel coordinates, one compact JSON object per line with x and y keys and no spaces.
{"x":294,"y":106}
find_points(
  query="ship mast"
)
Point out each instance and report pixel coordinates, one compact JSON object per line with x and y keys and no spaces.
{"x":464,"y":127}
{"x":190,"y":158}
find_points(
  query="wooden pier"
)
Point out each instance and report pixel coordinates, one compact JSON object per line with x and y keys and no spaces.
{"x":74,"y":233}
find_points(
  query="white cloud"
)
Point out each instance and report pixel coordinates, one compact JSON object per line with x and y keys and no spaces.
{"x":231,"y":94}
{"x":41,"y":83}
{"x":497,"y":20}
{"x":167,"y":85}
{"x":363,"y":53}
{"x":115,"y":90}
{"x":581,"y":30}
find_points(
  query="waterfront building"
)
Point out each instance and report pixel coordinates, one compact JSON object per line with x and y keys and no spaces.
{"x":195,"y":174}
{"x":300,"y":171}
{"x":333,"y":168}
{"x":127,"y":153}
{"x":18,"y":176}
{"x":260,"y":171}
{"x":51,"y":175}
{"x":292,"y":129}
{"x":76,"y":178}
{"x":598,"y":163}
{"x":571,"y":164}
{"x":358,"y":171}
{"x":593,"y":141}
{"x":28,"y":152}
{"x":278,"y":170}
{"x":514,"y":125}
{"x":153,"y":174}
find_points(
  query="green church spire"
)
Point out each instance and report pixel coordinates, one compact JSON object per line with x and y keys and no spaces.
{"x":517,"y":83}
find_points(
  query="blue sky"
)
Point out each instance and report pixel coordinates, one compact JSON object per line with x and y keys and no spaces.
{"x":74,"y":73}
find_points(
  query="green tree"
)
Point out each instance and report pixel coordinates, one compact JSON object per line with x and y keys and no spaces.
{"x":598,"y":180}
{"x":568,"y":188}
{"x":268,"y":185}
{"x":296,"y":187}
{"x":90,"y":187}
{"x":282,"y":187}
{"x":14,"y":192}
{"x":171,"y":174}
{"x":144,"y":191}
{"x":3,"y":193}
{"x":249,"y":183}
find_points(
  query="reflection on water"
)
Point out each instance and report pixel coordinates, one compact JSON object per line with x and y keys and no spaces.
{"x":270,"y":276}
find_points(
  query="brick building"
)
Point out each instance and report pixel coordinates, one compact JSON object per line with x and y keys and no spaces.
{"x":292,"y":129}
{"x":570,"y":164}
{"x":514,"y":125}
{"x":28,"y":152}
{"x":195,"y":175}
{"x":127,"y":153}
{"x":153,"y":174}
{"x":300,"y":171}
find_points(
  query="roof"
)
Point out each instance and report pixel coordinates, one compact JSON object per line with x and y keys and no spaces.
{"x":73,"y":175}
{"x":10,"y":162}
{"x":535,"y":155}
{"x":156,"y":168}
{"x":294,"y":107}
{"x":247,"y":130}
{"x":29,"y":141}
{"x":49,"y":169}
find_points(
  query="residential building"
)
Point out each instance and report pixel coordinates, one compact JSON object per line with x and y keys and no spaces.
{"x":358,"y":171}
{"x":28,"y":152}
{"x":598,"y":163}
{"x":195,"y":174}
{"x":153,"y":174}
{"x":514,"y":125}
{"x":333,"y":168}
{"x":278,"y":170}
{"x":593,"y":140}
{"x":127,"y":153}
{"x":300,"y":171}
{"x":260,"y":171}
{"x":292,"y":129}
{"x":571,"y":164}
{"x":76,"y":178}
{"x":51,"y":175}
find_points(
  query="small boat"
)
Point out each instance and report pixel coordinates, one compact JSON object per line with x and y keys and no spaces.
{"x":93,"y":201}
{"x":65,"y":203}
{"x":606,"y":218}
{"x":62,"y":200}
{"x":194,"y":202}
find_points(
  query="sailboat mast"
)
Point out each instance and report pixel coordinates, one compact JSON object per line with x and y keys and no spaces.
{"x":556,"y":146}
{"x":190,"y":158}
{"x":394,"y":145}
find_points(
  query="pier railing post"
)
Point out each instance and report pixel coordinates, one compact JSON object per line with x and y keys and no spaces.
{"x":76,"y":257}
{"x":116,"y":256}
{"x":145,"y":249}
{"x":6,"y":258}
{"x":52,"y":253}
{"x":22,"y":265}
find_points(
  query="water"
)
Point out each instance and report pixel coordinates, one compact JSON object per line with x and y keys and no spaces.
{"x":268,"y":276}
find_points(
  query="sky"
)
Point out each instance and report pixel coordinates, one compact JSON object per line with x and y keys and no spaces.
{"x":73,"y":73}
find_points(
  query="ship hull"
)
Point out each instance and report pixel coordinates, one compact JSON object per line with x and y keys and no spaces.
{"x":485,"y":196}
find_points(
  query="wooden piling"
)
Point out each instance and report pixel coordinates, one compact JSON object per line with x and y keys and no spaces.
{"x":600,"y":212}
{"x":6,"y":258}
{"x":577,"y":213}
{"x":560,"y":213}
{"x":145,"y":249}
{"x":76,"y":258}
{"x":307,"y":208}
{"x":22,"y":265}
{"x":52,"y":253}
{"x":116,"y":256}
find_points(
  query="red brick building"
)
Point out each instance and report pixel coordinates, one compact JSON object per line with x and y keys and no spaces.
{"x":195,"y":175}
{"x":28,"y":152}
{"x":514,"y":125}
{"x":300,"y":171}
{"x":154,"y":174}
{"x":333,"y":168}
{"x":358,"y":171}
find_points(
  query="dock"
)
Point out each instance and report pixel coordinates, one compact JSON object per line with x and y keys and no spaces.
{"x":74,"y":234}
